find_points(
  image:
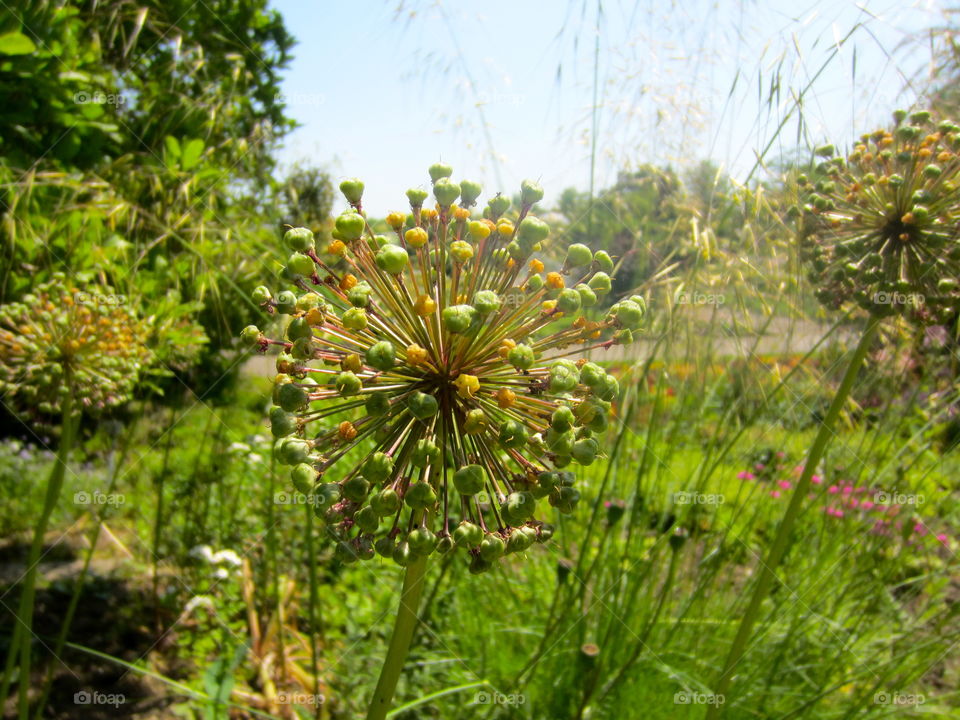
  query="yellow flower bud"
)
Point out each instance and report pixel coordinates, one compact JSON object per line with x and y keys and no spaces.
{"x":416,"y":355}
{"x":428,"y":213}
{"x":346,"y":430}
{"x":506,"y":398}
{"x":555,"y":281}
{"x":352,"y":362}
{"x":416,"y":237}
{"x":425,"y":305}
{"x":337,"y":247}
{"x":395,"y":220}
{"x":314,"y":317}
{"x":461,"y":299}
{"x":549,"y":306}
{"x":536,"y":266}
{"x":467,"y":385}
{"x":479,"y":230}
{"x":348,"y":281}
{"x":505,"y":228}
{"x":505,"y":347}
{"x":461,"y":213}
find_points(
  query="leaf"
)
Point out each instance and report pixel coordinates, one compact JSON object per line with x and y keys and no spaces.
{"x":173,"y":147}
{"x":192,"y":151}
{"x":16,"y":43}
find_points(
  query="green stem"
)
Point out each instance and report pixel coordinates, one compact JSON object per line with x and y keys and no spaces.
{"x":781,"y":541}
{"x":403,"y":627}
{"x":24,"y":627}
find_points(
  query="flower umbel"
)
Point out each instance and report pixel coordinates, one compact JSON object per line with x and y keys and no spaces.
{"x":880,"y":228}
{"x":440,"y":360}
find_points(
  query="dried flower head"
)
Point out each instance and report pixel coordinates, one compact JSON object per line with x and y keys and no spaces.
{"x":439,"y":359}
{"x":60,"y":339}
{"x":880,"y":228}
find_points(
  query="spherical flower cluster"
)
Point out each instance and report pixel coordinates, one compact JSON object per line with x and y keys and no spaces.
{"x":880,"y":228}
{"x":60,"y":339}
{"x":439,"y":360}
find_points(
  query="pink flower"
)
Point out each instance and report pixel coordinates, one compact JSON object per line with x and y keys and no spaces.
{"x":785,"y":484}
{"x":745,"y":475}
{"x":853,"y":502}
{"x":847,"y":489}
{"x":942,"y":537}
{"x":919,"y":529}
{"x":798,"y":470}
{"x":816,"y":479}
{"x":759,"y":467}
{"x":833,"y":489}
{"x":774,"y":493}
{"x":781,"y":455}
{"x":867,"y":504}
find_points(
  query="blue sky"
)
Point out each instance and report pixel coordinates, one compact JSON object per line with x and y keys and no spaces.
{"x":503,"y":89}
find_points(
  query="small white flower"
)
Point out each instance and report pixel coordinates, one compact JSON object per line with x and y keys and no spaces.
{"x":202,"y":552}
{"x":226,"y":557}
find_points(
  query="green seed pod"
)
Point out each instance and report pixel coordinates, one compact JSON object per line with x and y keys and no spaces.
{"x":469,"y":479}
{"x":348,"y":384}
{"x":562,"y":379}
{"x":392,"y":259}
{"x":458,"y":318}
{"x":521,"y":357}
{"x":384,"y":546}
{"x":629,"y":314}
{"x":565,"y":499}
{"x":498,"y":205}
{"x":478,"y":565}
{"x":292,"y":397}
{"x":351,"y":225}
{"x":367,"y":519}
{"x":475,"y":421}
{"x":492,"y":548}
{"x":530,"y":193}
{"x":545,"y":533}
{"x":425,"y":452}
{"x":603,"y":261}
{"x":562,"y":419}
{"x":345,"y":552}
{"x":251,"y":335}
{"x":467,"y":535}
{"x":302,"y":348}
{"x":420,"y":495}
{"x":422,"y":541}
{"x":299,"y":264}
{"x":310,"y":300}
{"x":327,"y":495}
{"x":282,"y":423}
{"x":518,"y":541}
{"x":304,"y":477}
{"x":286,"y":303}
{"x":560,"y":443}
{"x":445,"y":545}
{"x":513,"y":434}
{"x":386,"y":502}
{"x":446,"y":192}
{"x":261,"y":295}
{"x":378,"y":467}
{"x":585,"y":451}
{"x":352,"y":190}
{"x":356,"y":488}
{"x":591,"y":374}
{"x":532,"y":230}
{"x":359,"y":294}
{"x":568,"y":301}
{"x":588,"y":298}
{"x":402,"y":554}
{"x":534,"y":284}
{"x":422,"y":406}
{"x":377,"y":404}
{"x":518,"y":507}
{"x":354,"y":318}
{"x":469,"y":192}
{"x":439,"y":171}
{"x":486,"y":302}
{"x":381,"y":355}
{"x":416,"y":196}
{"x":609,"y":389}
{"x":600,"y":283}
{"x":299,"y":328}
{"x":299,"y":239}
{"x":578,"y":255}
{"x":293,"y":451}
